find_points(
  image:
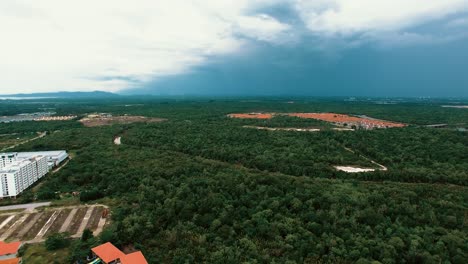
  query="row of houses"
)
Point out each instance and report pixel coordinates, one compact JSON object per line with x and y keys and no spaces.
{"x":109,"y":254}
{"x":104,"y":254}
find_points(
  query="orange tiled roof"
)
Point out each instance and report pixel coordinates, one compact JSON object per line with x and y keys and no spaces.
{"x":107,"y":252}
{"x":10,"y":261}
{"x":9,"y":248}
{"x":134,"y":258}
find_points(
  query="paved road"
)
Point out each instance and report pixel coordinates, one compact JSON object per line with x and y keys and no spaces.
{"x":28,"y":207}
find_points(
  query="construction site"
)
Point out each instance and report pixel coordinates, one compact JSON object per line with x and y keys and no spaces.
{"x":342,"y":120}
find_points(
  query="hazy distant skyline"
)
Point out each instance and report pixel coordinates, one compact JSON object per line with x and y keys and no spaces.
{"x":258,"y":47}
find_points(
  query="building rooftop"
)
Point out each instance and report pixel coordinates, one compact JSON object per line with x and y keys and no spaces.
{"x":107,"y":252}
{"x":134,"y":258}
{"x":9,"y":248}
{"x":41,"y":153}
{"x":17,"y":165}
{"x":10,"y":261}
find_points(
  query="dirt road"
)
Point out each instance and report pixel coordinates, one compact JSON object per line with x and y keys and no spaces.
{"x":28,"y":207}
{"x":41,"y":135}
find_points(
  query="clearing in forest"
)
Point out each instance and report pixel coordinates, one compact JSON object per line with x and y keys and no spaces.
{"x":95,"y":120}
{"x":337,"y":119}
{"x":284,"y":129}
{"x":252,"y":116}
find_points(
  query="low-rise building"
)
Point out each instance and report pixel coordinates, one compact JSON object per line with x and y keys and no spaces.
{"x":109,"y":254}
{"x":8,"y":252}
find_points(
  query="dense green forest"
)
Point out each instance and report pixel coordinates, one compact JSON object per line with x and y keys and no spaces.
{"x":201,"y":188}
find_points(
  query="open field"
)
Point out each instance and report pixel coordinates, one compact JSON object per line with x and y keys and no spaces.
{"x":252,"y":116}
{"x":341,"y":119}
{"x":76,"y":220}
{"x":37,"y":225}
{"x":38,"y":254}
{"x":111,"y":120}
{"x":337,"y":119}
{"x":284,"y":129}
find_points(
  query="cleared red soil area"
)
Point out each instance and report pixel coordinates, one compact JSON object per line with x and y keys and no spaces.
{"x":340,"y":118}
{"x":252,"y":116}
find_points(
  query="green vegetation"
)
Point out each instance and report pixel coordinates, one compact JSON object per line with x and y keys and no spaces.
{"x":200,"y":188}
{"x":56,"y":241}
{"x":38,"y":254}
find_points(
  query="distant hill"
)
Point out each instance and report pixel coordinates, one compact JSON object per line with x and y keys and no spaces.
{"x":64,"y":94}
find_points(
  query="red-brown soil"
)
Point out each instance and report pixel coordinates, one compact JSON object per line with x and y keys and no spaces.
{"x":252,"y":116}
{"x":340,"y":118}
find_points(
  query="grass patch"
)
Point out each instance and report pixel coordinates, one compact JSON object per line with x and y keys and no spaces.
{"x":38,"y":254}
{"x":11,"y":211}
{"x":67,"y":200}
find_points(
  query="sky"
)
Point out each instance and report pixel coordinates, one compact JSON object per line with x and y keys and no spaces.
{"x":242,"y":47}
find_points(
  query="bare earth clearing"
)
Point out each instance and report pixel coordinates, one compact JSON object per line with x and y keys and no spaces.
{"x":34,"y":226}
{"x":284,"y":129}
{"x":355,"y":169}
{"x":107,"y":121}
{"x":350,"y":169}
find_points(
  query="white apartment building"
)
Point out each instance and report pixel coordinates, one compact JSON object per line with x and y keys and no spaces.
{"x":18,"y":171}
{"x":7,"y":158}
{"x":54,"y":158}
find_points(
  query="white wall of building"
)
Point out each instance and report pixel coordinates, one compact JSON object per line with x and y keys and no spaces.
{"x":19,"y":174}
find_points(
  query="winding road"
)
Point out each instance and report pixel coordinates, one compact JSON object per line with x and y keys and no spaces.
{"x":41,"y":135}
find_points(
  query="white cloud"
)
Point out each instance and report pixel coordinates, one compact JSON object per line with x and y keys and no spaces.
{"x":110,"y":44}
{"x":345,"y":17}
{"x":262,"y":27}
{"x":458,"y":22}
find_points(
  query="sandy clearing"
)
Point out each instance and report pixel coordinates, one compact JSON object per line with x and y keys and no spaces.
{"x":13,"y":227}
{"x":456,"y":106}
{"x":6,"y":221}
{"x":28,"y":226}
{"x":351,"y":169}
{"x":93,"y":121}
{"x":84,"y":222}
{"x":67,"y":221}
{"x":354,"y":169}
{"x":284,"y":129}
{"x":46,"y":226}
{"x":342,"y":129}
{"x":100,"y":226}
